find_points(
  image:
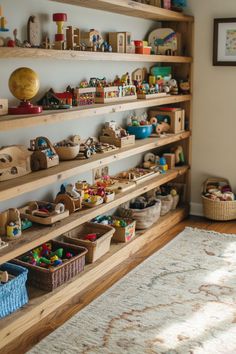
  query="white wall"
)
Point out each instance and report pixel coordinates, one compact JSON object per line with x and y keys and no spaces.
{"x":214,"y":108}
{"x":58,"y":74}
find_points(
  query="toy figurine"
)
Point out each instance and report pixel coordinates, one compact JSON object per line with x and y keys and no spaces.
{"x":10,"y":223}
{"x":59,"y":18}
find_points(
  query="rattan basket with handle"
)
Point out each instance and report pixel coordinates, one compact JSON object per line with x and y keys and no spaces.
{"x":214,"y":209}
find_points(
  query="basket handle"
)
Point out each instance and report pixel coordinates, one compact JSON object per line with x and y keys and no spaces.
{"x":213,"y":180}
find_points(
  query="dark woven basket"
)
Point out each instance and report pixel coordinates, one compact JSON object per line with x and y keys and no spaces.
{"x":50,"y":279}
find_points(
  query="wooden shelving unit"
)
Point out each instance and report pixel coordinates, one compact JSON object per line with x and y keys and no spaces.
{"x":51,"y":117}
{"x":42,"y":304}
{"x":72,"y":168}
{"x":35,"y":53}
{"x":40,"y":234}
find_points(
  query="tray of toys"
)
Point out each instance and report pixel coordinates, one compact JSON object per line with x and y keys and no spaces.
{"x":95,"y":237}
{"x":124,"y":227}
{"x":115,"y":185}
{"x":136,"y":175}
{"x":52,"y":264}
{"x":44,"y":213}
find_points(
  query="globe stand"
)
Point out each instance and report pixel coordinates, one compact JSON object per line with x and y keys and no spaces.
{"x":25,"y":107}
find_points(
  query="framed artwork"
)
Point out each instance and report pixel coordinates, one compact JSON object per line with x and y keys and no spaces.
{"x":224,"y":44}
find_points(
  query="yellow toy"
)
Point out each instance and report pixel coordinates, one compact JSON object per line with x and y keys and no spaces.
{"x":3,"y":22}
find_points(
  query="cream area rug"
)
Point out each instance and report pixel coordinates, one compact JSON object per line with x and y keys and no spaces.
{"x":181,"y":300}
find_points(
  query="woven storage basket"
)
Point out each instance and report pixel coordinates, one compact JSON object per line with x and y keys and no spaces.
{"x":50,"y":278}
{"x":218,"y":210}
{"x":13,"y":294}
{"x":96,"y":249}
{"x":144,"y":218}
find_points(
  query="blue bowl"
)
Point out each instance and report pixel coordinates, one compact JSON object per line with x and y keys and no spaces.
{"x":141,"y":131}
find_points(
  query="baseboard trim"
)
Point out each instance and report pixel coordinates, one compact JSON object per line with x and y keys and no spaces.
{"x":196,"y":209}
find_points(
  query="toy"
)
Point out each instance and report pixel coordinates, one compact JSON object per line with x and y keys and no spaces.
{"x":116,"y":135}
{"x":87,"y":148}
{"x":179,"y":155}
{"x":44,"y":155}
{"x":33,"y":31}
{"x":50,"y":100}
{"x":184,"y":86}
{"x":117,"y":41}
{"x":174,"y":116}
{"x":139,"y":126}
{"x":14,"y":162}
{"x":71,"y":197}
{"x":24,"y":85}
{"x":44,"y":213}
{"x":85,"y":95}
{"x":163,"y":41}
{"x":10,"y":223}
{"x":25,"y":224}
{"x":136,"y":175}
{"x":67,"y":149}
{"x":92,"y":39}
{"x":170,"y":160}
{"x":178,"y":5}
{"x":163,"y":167}
{"x":92,"y":201}
{"x":3,"y":22}
{"x":141,"y":47}
{"x":72,"y":38}
{"x":59,"y":18}
{"x":166,"y":4}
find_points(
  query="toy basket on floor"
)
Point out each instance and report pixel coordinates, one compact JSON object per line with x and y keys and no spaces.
{"x":96,"y":249}
{"x":50,"y":278}
{"x":215,"y":209}
{"x":13,"y":294}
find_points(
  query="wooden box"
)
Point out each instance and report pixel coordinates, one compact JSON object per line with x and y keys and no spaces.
{"x":170,"y":160}
{"x":124,"y":234}
{"x":110,"y":138}
{"x":148,"y":96}
{"x":3,"y":106}
{"x":96,"y":249}
{"x":175,"y":115}
{"x":85,"y":96}
{"x":71,"y":204}
{"x":117,"y":41}
{"x":115,"y":93}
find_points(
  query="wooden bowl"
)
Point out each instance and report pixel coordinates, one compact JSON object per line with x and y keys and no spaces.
{"x":67,"y":152}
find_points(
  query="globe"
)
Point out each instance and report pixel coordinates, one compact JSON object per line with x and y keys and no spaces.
{"x":24,"y":84}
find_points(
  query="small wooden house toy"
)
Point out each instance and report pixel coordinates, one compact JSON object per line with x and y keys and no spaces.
{"x":3,"y":106}
{"x":50,"y":100}
{"x":113,"y":134}
{"x":10,"y":223}
{"x":44,"y":213}
{"x":44,"y":155}
{"x":117,"y":41}
{"x":14,"y":162}
{"x":70,"y":197}
{"x":92,"y":39}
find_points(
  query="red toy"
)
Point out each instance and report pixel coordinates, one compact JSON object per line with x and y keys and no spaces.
{"x":59,"y":18}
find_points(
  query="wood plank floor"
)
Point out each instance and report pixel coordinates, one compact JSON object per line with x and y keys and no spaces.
{"x":39,"y":331}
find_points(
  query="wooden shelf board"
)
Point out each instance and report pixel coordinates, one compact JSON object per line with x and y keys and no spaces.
{"x":9,"y":189}
{"x":130,"y":8}
{"x":39,"y":234}
{"x":36,"y":53}
{"x":42,"y":304}
{"x":10,"y":122}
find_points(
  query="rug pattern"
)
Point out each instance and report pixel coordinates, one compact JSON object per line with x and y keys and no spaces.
{"x":181,"y":300}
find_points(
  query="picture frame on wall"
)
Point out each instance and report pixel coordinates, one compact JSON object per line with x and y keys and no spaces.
{"x":224,"y":43}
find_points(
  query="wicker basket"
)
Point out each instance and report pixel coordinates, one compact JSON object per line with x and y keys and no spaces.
{"x":50,"y":279}
{"x":97,"y":248}
{"x":144,"y":218}
{"x":218,"y":210}
{"x":13,"y":294}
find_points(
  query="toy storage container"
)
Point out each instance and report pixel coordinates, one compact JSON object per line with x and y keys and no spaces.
{"x":96,"y":249}
{"x":124,"y":234}
{"x":49,"y":279}
{"x":13,"y":294}
{"x":217,"y":210}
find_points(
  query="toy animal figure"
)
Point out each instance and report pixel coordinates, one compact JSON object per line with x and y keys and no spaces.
{"x":179,"y":155}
